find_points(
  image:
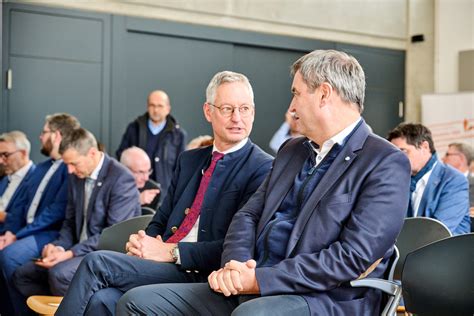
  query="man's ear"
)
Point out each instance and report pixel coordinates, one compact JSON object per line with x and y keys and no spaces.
{"x":206,"y":108}
{"x":425,"y":146}
{"x":326,"y":92}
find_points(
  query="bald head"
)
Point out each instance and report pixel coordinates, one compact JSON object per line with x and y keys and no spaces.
{"x":158,"y":106}
{"x":138,"y":162}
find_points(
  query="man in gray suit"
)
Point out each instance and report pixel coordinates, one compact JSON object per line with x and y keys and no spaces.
{"x":102,"y":192}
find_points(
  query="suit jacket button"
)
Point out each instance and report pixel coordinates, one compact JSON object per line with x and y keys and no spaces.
{"x":186,"y":211}
{"x":174,"y":229}
{"x":157,"y":159}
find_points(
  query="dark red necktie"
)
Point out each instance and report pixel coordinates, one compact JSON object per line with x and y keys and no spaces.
{"x":193,"y":214}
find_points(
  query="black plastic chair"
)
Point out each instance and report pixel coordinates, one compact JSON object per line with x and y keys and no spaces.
{"x":438,"y":279}
{"x":116,"y":236}
{"x":148,"y":210}
{"x":418,"y":232}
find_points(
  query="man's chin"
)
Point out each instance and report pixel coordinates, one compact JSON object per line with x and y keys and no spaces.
{"x":45,"y":151}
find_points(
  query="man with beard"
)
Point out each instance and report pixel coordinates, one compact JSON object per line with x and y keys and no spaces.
{"x":35,"y":219}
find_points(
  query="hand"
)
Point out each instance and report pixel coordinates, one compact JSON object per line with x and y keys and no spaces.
{"x":7,"y":239}
{"x":471,"y":211}
{"x":133,"y":246}
{"x":147,"y":196}
{"x":49,"y":249}
{"x":55,"y":258}
{"x":3,"y":216}
{"x":235,"y":278}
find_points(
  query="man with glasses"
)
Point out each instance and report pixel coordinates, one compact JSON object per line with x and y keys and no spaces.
{"x":37,"y":217}
{"x":15,"y":159}
{"x":137,"y":161}
{"x":436,"y":190}
{"x":101,"y":192}
{"x":460,"y":156}
{"x":158,"y":133}
{"x":183,"y":242}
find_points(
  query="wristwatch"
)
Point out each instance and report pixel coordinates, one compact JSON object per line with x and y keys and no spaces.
{"x":175,"y":253}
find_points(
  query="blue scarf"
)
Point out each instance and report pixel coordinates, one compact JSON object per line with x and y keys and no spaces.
{"x":414,"y":179}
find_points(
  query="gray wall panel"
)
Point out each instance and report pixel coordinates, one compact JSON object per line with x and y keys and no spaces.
{"x":67,"y":37}
{"x":49,"y":86}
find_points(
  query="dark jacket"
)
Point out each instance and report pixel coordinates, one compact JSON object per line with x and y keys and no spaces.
{"x":114,"y":199}
{"x":172,"y":141}
{"x":234,"y":180}
{"x":51,"y":209}
{"x":350,"y":220}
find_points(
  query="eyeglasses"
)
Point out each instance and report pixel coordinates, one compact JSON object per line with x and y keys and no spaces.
{"x":143,"y":173}
{"x":452,"y":154}
{"x":5,"y":154}
{"x":228,"y":110}
{"x":43,"y":132}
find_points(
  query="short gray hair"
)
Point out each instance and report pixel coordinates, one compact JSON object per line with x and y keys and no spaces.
{"x":126,"y":157}
{"x":226,"y":77}
{"x":80,"y":140}
{"x":17,"y":138}
{"x":342,"y":71}
{"x":465,"y":149}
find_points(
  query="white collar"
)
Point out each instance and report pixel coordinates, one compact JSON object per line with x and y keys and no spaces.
{"x":234,"y":148}
{"x":336,"y":139}
{"x":95,"y":174}
{"x":21,"y":173}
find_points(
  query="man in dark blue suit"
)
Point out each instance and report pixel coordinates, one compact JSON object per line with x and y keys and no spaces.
{"x":37,"y":215}
{"x":15,"y":160}
{"x":332,"y":205}
{"x":101,"y":192}
{"x":183,"y":242}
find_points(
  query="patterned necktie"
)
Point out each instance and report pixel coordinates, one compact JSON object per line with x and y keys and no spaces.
{"x":193,"y":214}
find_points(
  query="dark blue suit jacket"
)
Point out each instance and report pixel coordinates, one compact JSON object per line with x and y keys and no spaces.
{"x":236,"y":177}
{"x":50,"y":212}
{"x":114,"y":198}
{"x":350,"y":220}
{"x":15,"y":200}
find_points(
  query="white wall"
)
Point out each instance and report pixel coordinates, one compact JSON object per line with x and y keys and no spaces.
{"x":454,"y":28}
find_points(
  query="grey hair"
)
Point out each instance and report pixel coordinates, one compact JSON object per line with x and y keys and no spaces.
{"x":126,"y":157}
{"x":62,"y":122}
{"x":226,"y":77}
{"x":465,"y":149}
{"x":18,"y":138}
{"x":342,"y":71}
{"x":80,"y":140}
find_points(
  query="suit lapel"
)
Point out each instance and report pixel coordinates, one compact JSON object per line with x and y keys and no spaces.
{"x":98,"y":185}
{"x":339,"y":166}
{"x":283,"y":183}
{"x":433,"y":182}
{"x":79,"y":216}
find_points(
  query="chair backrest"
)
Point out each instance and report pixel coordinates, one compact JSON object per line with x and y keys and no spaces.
{"x":417,"y":232}
{"x":116,"y":236}
{"x":148,"y":210}
{"x":438,"y":279}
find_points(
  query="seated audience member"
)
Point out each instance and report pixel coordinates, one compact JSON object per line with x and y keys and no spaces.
{"x":101,"y":192}
{"x":200,"y":141}
{"x":328,"y":210}
{"x":36,"y":218}
{"x":436,"y":190}
{"x":460,"y":156}
{"x":138,"y":162}
{"x":286,"y":130}
{"x":158,"y":133}
{"x":183,"y":242}
{"x":15,"y":159}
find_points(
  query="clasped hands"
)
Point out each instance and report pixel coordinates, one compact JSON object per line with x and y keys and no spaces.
{"x":7,"y":239}
{"x":235,"y":278}
{"x":52,"y":255}
{"x":143,"y":246}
